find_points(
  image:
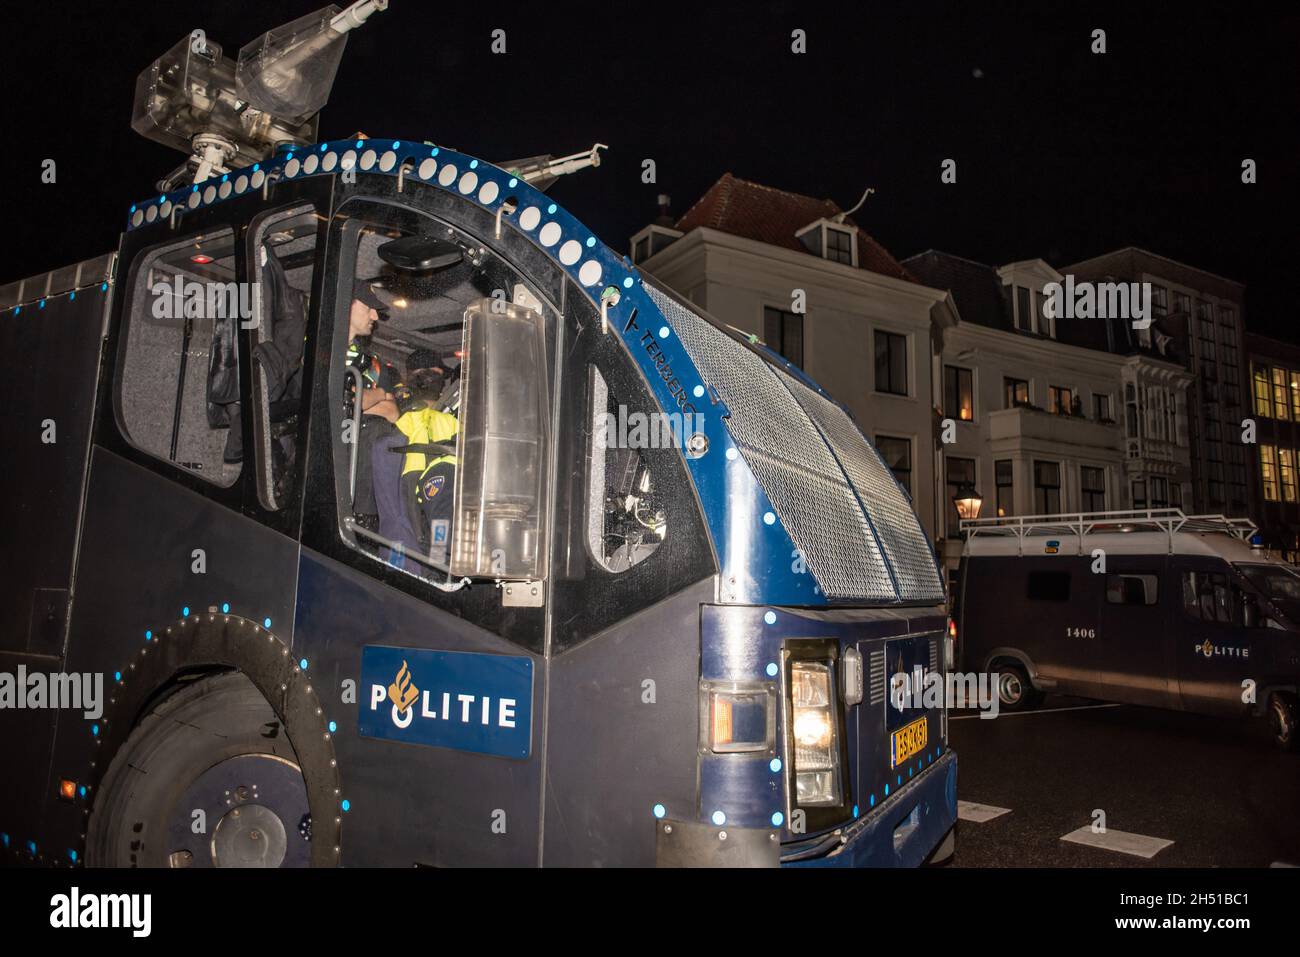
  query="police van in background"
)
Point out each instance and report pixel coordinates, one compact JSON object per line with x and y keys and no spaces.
{"x":670,"y":654}
{"x":1149,"y":607}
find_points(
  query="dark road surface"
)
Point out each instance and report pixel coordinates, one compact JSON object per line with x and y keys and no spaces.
{"x":1217,"y":788}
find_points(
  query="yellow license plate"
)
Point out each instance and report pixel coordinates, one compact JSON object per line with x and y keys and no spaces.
{"x":907,"y":741}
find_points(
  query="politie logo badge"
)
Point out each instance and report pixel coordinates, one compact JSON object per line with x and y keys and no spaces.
{"x":402,"y":692}
{"x":448,"y":699}
{"x":433,"y":485}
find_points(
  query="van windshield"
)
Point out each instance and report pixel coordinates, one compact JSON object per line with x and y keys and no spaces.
{"x":1278,"y":584}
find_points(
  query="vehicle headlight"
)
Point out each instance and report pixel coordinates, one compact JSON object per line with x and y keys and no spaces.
{"x":813,"y":727}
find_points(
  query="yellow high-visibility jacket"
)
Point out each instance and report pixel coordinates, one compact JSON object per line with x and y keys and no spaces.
{"x":421,"y":426}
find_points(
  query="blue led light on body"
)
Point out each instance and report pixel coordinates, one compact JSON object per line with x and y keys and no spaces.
{"x":334,"y":726}
{"x":770,"y":617}
{"x":659,"y":810}
{"x":346,"y":805}
{"x":266,"y":622}
{"x":719,"y":818}
{"x":775,"y":765}
{"x":772,"y":669}
{"x":185,"y":612}
{"x":777,"y":818}
{"x":302,"y":663}
{"x":225,"y":607}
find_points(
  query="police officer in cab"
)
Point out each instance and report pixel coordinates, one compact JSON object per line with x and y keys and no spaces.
{"x":378,"y":379}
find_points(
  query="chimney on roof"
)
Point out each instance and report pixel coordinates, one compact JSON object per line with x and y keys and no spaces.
{"x":665,"y":216}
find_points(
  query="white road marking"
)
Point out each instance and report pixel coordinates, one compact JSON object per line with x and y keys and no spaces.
{"x":1019,"y":714}
{"x":979,"y":813}
{"x":1139,"y":845}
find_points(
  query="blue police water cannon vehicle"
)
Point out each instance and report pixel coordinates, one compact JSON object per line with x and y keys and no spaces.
{"x":408,"y":523}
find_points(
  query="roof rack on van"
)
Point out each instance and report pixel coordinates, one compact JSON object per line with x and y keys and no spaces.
{"x":1081,"y":524}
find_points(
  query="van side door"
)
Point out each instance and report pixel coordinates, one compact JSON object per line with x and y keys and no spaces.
{"x":1131,"y":652}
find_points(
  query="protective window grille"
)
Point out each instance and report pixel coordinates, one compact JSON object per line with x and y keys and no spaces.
{"x":833,"y":493}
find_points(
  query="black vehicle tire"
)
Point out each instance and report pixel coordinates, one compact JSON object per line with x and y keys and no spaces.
{"x":215,"y":727}
{"x":1284,"y":719}
{"x":1014,"y":689}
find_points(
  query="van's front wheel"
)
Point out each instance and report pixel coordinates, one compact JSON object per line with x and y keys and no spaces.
{"x":1284,"y":716}
{"x":1015,"y":691}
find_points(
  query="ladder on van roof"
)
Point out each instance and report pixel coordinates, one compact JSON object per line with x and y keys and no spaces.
{"x":1170,"y":521}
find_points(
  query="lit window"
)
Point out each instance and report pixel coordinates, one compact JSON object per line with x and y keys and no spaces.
{"x":958,"y":393}
{"x":1268,"y":472}
{"x":1263,"y":405}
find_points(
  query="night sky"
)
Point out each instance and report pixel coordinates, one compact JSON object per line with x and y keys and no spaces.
{"x":1061,"y":154}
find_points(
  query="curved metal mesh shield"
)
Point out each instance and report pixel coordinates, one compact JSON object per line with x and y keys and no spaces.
{"x":828,"y":485}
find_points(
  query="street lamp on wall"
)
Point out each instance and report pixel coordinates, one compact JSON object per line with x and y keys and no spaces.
{"x":967,"y":501}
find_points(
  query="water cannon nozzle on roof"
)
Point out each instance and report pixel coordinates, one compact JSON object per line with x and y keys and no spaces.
{"x":226,"y":114}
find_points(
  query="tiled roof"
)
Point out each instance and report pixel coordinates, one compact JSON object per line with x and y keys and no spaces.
{"x":774,"y":216}
{"x":975,"y":287}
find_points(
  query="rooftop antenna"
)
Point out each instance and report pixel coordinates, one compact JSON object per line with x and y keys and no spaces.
{"x":226,"y":114}
{"x":840,"y":217}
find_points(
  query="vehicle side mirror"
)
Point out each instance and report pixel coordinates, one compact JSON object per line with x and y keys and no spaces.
{"x":504,"y":437}
{"x":420,"y":253}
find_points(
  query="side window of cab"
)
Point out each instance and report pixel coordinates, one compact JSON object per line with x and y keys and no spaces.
{"x":178,"y":372}
{"x":441,"y":424}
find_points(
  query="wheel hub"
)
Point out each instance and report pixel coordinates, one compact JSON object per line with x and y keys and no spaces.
{"x":249,"y":836}
{"x":234,"y":815}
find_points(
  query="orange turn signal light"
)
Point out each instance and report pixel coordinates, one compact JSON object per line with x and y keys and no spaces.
{"x":68,"y":790}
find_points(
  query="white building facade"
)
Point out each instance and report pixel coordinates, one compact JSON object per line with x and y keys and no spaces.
{"x":951,"y":367}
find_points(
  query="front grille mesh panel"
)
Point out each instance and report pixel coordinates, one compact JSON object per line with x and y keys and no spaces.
{"x":892,"y":517}
{"x":805,"y":484}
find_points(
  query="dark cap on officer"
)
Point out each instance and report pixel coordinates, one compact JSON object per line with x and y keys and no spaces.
{"x":363,"y":292}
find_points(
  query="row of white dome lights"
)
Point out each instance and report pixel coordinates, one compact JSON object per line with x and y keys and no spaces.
{"x":328,"y":160}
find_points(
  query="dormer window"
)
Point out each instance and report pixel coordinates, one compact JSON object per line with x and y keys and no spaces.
{"x":651,"y":240}
{"x":830,"y":240}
